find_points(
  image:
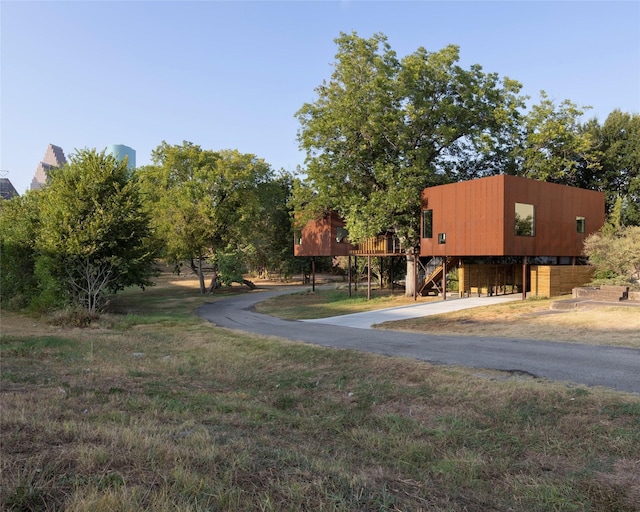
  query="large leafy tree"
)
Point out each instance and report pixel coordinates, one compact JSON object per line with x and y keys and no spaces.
{"x":203,"y":201}
{"x":617,"y":149}
{"x":553,"y":146}
{"x":94,"y":236}
{"x":383,"y":128}
{"x":266,"y":247}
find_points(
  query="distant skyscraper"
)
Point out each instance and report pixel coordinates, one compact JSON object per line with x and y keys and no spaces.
{"x":7,"y":190}
{"x":119,"y":152}
{"x":53,"y":158}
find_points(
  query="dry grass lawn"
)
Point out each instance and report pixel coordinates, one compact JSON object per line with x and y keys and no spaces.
{"x":534,"y":319}
{"x":153,"y":409}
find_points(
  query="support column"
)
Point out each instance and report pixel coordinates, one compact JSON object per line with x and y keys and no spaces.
{"x":355,"y":266}
{"x":368,"y":277}
{"x":349,"y":274}
{"x":313,"y":273}
{"x":415,"y":274}
{"x":524,"y":277}
{"x":391,"y":272}
{"x":444,"y":279}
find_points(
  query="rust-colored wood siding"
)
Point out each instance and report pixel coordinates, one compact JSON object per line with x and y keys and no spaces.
{"x":478,"y":217}
{"x":470,"y":213}
{"x":319,"y":238}
{"x":556,"y":208}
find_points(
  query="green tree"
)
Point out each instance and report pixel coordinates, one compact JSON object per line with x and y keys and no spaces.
{"x":267,"y":246}
{"x":617,"y":149}
{"x":382,"y":129}
{"x":19,"y":227}
{"x":554,"y":147}
{"x":203,"y":201}
{"x":616,"y":253}
{"x":94,"y":236}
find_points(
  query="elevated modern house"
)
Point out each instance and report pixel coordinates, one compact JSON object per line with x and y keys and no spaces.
{"x":327,"y":236}
{"x":507,"y":234}
{"x":504,"y":234}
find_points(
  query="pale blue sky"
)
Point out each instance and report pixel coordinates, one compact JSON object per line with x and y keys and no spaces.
{"x":233,"y":74}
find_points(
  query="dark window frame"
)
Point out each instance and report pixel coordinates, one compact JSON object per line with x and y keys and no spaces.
{"x":427,"y":227}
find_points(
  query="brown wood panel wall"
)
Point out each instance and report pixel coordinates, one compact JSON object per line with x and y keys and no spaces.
{"x":319,"y":238}
{"x":478,"y":217}
{"x":556,"y":208}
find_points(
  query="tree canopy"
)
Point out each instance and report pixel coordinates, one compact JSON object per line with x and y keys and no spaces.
{"x":553,"y":147}
{"x":383,"y":128}
{"x":616,"y":148}
{"x":204,"y":201}
{"x":83,"y":236}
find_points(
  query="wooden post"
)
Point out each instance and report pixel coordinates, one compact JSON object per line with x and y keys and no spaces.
{"x":415,"y":275}
{"x":524,"y":277}
{"x":368,"y":277}
{"x":391,"y":265}
{"x":444,"y":278}
{"x":349,"y":274}
{"x":355,"y":266}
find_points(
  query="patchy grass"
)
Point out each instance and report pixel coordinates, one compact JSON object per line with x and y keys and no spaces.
{"x":166,"y":412}
{"x":535,"y":319}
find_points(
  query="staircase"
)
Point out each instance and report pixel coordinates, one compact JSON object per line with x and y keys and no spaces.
{"x":432,"y":284}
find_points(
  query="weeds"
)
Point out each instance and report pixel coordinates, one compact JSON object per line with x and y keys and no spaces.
{"x":178,"y":415}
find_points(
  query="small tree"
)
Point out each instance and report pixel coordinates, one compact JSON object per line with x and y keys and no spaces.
{"x":616,"y":253}
{"x":95,"y":237}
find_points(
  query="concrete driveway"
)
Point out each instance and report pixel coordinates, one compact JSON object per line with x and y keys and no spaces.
{"x":368,"y":319}
{"x":613,"y":367}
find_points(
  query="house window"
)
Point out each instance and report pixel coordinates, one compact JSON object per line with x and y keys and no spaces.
{"x":297,"y":237}
{"x":580,"y":224}
{"x":427,"y":223}
{"x":341,"y":234}
{"x":525,"y":219}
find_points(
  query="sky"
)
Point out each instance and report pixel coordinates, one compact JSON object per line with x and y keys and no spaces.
{"x":232,"y":75}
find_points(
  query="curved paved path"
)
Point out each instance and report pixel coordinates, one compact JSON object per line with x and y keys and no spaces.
{"x":613,"y":367}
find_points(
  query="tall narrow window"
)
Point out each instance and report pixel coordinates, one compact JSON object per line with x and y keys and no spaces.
{"x":580,"y":224}
{"x":525,"y":220}
{"x":427,"y":223}
{"x":297,"y":237}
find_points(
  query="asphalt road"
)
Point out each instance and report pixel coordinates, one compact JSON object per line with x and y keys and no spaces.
{"x":613,"y":367}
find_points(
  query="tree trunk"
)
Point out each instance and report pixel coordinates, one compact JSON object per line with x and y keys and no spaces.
{"x":410,"y":279}
{"x":203,"y":290}
{"x":215,"y":282}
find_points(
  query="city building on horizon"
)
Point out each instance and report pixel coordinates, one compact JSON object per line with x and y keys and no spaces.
{"x":53,"y":159}
{"x":120,"y":151}
{"x":7,"y":190}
